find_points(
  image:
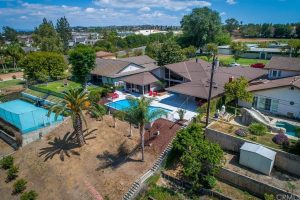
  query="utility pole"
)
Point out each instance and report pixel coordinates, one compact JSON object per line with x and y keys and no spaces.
{"x":215,"y":65}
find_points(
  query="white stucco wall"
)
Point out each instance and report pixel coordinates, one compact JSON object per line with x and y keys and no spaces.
{"x":284,"y":96}
{"x":283,"y":73}
{"x":130,"y":68}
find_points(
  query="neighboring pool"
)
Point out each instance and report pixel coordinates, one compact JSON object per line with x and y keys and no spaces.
{"x":290,"y":129}
{"x":124,"y":104}
{"x":26,"y":116}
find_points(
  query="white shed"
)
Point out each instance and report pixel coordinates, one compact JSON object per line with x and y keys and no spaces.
{"x":257,"y":157}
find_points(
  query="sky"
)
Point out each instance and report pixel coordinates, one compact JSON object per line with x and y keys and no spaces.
{"x":27,"y":14}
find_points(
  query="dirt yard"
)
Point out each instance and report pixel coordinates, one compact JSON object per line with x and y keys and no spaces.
{"x":9,"y":76}
{"x":57,"y":168}
{"x":5,"y":148}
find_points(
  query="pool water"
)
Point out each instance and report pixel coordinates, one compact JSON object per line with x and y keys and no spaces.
{"x":290,"y":129}
{"x":26,"y":116}
{"x":124,"y":104}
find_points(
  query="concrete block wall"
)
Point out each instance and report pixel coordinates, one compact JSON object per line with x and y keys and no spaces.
{"x":257,"y":188}
{"x":284,"y":161}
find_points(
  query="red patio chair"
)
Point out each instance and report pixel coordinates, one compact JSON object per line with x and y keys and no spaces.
{"x":150,"y":93}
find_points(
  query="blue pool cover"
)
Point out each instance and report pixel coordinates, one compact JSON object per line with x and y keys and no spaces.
{"x":26,"y":116}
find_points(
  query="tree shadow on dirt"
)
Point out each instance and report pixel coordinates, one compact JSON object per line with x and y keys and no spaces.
{"x":118,"y":159}
{"x":64,"y":146}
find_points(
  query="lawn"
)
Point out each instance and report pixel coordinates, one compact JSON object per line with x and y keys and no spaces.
{"x":11,"y":83}
{"x":58,"y":86}
{"x":51,"y":98}
{"x":227,"y":59}
{"x":56,"y":168}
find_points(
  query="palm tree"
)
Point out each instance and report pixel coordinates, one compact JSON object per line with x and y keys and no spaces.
{"x":15,"y":51}
{"x":139,"y":110}
{"x":117,"y":114}
{"x":74,"y":103}
{"x":97,"y":111}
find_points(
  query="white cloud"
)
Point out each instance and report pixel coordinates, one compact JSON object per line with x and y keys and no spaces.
{"x":231,"y":2}
{"x":89,"y":16}
{"x":222,"y":13}
{"x":90,"y":10}
{"x":145,"y":9}
{"x":24,"y":17}
{"x":167,"y":4}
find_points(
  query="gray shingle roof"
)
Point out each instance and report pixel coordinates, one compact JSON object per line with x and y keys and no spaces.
{"x":139,"y":60}
{"x":265,"y":84}
{"x":284,"y":63}
{"x":143,"y":78}
{"x":198,"y":75}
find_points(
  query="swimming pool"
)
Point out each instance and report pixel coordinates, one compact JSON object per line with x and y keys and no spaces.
{"x":124,"y":104}
{"x":290,"y":129}
{"x":26,"y":116}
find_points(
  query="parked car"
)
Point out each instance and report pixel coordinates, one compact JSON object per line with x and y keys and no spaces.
{"x":234,"y":64}
{"x":258,"y":65}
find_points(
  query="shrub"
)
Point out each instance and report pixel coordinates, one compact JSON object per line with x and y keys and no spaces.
{"x":12,"y":173}
{"x":181,"y":114}
{"x":31,"y":195}
{"x":19,"y":186}
{"x":253,"y":138}
{"x":257,"y":129}
{"x":14,"y":76}
{"x":241,"y":132}
{"x":269,"y":196}
{"x":230,"y":130}
{"x":7,"y":162}
{"x":281,"y":139}
{"x":209,"y":182}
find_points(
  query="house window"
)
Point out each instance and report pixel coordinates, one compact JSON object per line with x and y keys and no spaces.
{"x":274,"y":105}
{"x":268,"y":104}
{"x":275,"y":73}
{"x":254,"y":103}
{"x":167,"y":73}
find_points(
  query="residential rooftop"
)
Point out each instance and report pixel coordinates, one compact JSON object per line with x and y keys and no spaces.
{"x":284,"y":63}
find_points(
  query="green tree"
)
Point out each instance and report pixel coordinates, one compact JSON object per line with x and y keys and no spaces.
{"x":117,"y":114}
{"x":267,"y":30}
{"x":10,"y":34}
{"x":238,"y":48}
{"x":201,"y":26}
{"x":46,"y":38}
{"x":294,"y":47}
{"x":134,"y":41}
{"x":43,"y":66}
{"x":140,"y":111}
{"x":231,"y":24}
{"x":98,"y":111}
{"x":14,"y":51}
{"x":201,"y":159}
{"x":152,"y":50}
{"x":212,"y":50}
{"x":64,"y":31}
{"x":237,"y":90}
{"x":189,"y":52}
{"x":82,"y":59}
{"x":223,"y":38}
{"x":170,"y":52}
{"x":298,"y":30}
{"x":282,"y":30}
{"x":74,"y":103}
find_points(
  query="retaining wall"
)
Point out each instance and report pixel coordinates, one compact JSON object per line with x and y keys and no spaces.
{"x":255,"y":187}
{"x":284,"y":161}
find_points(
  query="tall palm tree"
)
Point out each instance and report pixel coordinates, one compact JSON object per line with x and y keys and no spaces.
{"x":140,"y":111}
{"x":74,"y":103}
{"x":97,"y":111}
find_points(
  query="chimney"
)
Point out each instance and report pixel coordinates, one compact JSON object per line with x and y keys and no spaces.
{"x":230,"y":79}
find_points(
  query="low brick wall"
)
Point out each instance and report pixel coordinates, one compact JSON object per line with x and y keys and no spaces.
{"x":253,"y":186}
{"x":283,"y":161}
